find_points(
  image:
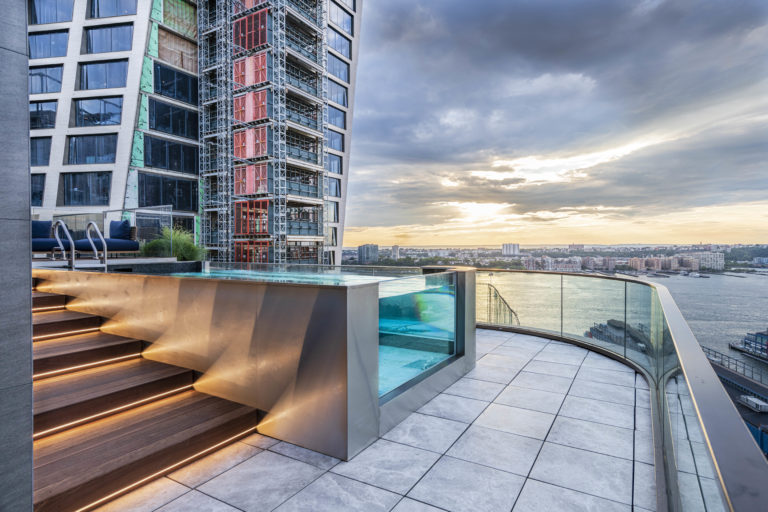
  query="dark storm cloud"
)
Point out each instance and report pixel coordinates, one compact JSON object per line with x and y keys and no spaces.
{"x":446,"y":86}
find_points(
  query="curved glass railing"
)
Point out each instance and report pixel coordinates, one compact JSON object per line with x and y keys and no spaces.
{"x":706,"y":458}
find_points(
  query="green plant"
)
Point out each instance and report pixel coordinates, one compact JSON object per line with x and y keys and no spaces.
{"x":177,"y":242}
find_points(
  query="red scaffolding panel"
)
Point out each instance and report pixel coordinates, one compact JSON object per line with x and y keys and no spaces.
{"x":251,"y":143}
{"x":251,"y":70}
{"x":252,"y":251}
{"x":251,"y":106}
{"x":252,"y":217}
{"x":250,"y":31}
{"x":251,"y":179}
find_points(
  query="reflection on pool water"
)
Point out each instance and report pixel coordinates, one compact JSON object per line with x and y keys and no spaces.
{"x":417,"y":313}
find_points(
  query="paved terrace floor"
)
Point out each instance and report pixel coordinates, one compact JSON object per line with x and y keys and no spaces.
{"x":538,"y":426}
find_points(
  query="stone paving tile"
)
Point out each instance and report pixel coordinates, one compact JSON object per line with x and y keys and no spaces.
{"x":515,"y":352}
{"x":604,"y":392}
{"x":198,"y":502}
{"x":477,"y":389}
{"x":503,"y":361}
{"x":460,"y":486}
{"x":606,"y":376}
{"x":542,"y":382}
{"x":618,"y":415}
{"x":542,"y":497}
{"x":644,"y":446}
{"x":533,"y":399}
{"x":558,"y":369}
{"x":492,"y":373}
{"x":523,"y":422}
{"x":332,"y":493}
{"x":259,"y":441}
{"x":642,"y":419}
{"x":392,"y":466}
{"x":596,"y":437}
{"x":645,"y":486}
{"x":703,"y":460}
{"x":319,"y":460}
{"x":426,"y":432}
{"x":497,"y":449}
{"x":643,"y":398}
{"x":592,"y":473}
{"x":454,"y":407}
{"x":559,"y":357}
{"x":595,"y":360}
{"x":262,"y":482}
{"x":147,"y":498}
{"x":409,"y":505}
{"x":208,"y":467}
{"x":640,"y":382}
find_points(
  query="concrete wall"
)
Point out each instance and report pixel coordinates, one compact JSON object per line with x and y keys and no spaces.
{"x":15,"y":281}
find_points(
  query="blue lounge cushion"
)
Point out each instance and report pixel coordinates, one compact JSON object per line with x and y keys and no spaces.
{"x":47,"y":244}
{"x":41,"y":228}
{"x":113,"y":245}
{"x":119,"y":230}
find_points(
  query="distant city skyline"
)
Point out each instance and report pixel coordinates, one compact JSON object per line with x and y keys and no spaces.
{"x":557,"y":122}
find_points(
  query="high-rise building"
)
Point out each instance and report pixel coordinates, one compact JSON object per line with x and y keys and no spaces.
{"x":277,"y":87}
{"x":395,"y":252}
{"x":510,"y":249}
{"x":113,"y":106}
{"x":367,"y":254}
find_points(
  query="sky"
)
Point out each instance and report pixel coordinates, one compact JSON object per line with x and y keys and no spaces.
{"x":552,"y":122}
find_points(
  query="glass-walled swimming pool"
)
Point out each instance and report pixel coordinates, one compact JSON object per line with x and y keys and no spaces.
{"x":417,"y":312}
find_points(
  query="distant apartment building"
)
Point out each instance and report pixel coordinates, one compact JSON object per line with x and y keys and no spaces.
{"x":113,"y":106}
{"x":367,"y":254}
{"x":510,"y":249}
{"x":760,"y":261}
{"x":553,"y":264}
{"x":395,"y":252}
{"x":709,"y":260}
{"x":575,"y":247}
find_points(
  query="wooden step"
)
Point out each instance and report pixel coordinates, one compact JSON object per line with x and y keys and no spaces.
{"x":48,"y":324}
{"x":56,"y":355}
{"x":79,"y":466}
{"x":43,"y":300}
{"x":69,"y":398}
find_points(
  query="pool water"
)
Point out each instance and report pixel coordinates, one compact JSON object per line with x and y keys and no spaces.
{"x":331,"y":279}
{"x":398,"y":365}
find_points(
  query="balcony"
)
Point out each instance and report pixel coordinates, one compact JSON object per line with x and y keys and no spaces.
{"x":307,"y":8}
{"x":303,"y":42}
{"x":302,"y":79}
{"x":303,"y":113}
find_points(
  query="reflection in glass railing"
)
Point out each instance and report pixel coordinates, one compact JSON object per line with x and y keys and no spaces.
{"x":627,"y":318}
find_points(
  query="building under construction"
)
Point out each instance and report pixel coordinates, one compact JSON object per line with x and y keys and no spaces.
{"x":276,"y":85}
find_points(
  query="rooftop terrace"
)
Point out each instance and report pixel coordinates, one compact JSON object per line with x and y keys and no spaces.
{"x":537,"y":425}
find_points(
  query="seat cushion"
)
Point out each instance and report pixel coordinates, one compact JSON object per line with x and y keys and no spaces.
{"x":47,"y":244}
{"x":113,"y":245}
{"x":119,"y":230}
{"x":41,"y":229}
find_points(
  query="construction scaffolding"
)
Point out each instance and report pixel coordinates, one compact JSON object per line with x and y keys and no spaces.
{"x":263,"y":105}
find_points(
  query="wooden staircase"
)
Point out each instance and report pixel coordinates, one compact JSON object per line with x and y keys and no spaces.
{"x":105,"y":419}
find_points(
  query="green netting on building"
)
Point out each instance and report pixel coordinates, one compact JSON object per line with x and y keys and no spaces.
{"x":147,"y":82}
{"x":157,"y":10}
{"x":143,"y":123}
{"x":137,"y":151}
{"x":152,"y":45}
{"x":181,"y":16}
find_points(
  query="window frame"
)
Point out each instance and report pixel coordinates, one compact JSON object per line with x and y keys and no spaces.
{"x":75,"y":115}
{"x":94,"y":4}
{"x":50,"y":44}
{"x":99,"y":154}
{"x":334,"y":8}
{"x":86,"y":49}
{"x":331,"y":96}
{"x":332,"y":59}
{"x":334,"y":35}
{"x":65,"y":189}
{"x":83,"y":66}
{"x":55,"y":111}
{"x":39,"y":189}
{"x":333,"y":111}
{"x":331,"y":139}
{"x":59,"y":3}
{"x":36,"y":151}
{"x":59,"y":67}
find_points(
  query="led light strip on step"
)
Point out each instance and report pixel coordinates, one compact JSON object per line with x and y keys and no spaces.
{"x":48,"y":308}
{"x":165,"y":470}
{"x":66,"y":333}
{"x":111,"y":411}
{"x":84,"y":366}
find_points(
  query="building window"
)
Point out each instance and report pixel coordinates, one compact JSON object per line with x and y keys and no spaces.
{"x":337,"y":93}
{"x":91,"y":149}
{"x":157,"y":190}
{"x":84,"y":189}
{"x":334,"y":187}
{"x":338,"y":67}
{"x":335,"y":140}
{"x":331,"y":211}
{"x":333,"y":164}
{"x":331,"y":236}
{"x":168,"y":118}
{"x":337,"y":117}
{"x":39,"y":151}
{"x":349,"y":3}
{"x":48,"y":44}
{"x":42,"y":114}
{"x":109,"y":8}
{"x":339,"y":43}
{"x":175,"y":84}
{"x":341,"y":18}
{"x":181,"y":16}
{"x":177,"y":51}
{"x":169,"y":155}
{"x":98,"y":111}
{"x":37,"y":186}
{"x":114,"y":38}
{"x":103,"y":75}
{"x":45,"y":79}
{"x":49,"y":11}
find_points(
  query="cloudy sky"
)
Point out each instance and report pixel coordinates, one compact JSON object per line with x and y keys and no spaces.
{"x":537,"y":121}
